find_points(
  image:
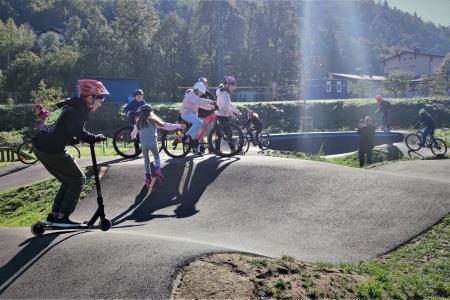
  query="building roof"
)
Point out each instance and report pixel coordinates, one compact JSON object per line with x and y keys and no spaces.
{"x":411,"y":52}
{"x":50,"y":28}
{"x":357,"y":77}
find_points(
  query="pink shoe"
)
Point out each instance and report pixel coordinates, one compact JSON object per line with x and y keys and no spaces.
{"x":159,"y":175}
{"x":148,"y":180}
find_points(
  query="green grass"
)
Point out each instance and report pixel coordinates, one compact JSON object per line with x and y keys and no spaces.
{"x":419,"y":269}
{"x":27,"y":204}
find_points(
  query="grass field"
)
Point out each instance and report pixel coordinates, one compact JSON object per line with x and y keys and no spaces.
{"x":25,"y":205}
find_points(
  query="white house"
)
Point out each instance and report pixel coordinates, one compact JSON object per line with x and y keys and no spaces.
{"x":413,"y":62}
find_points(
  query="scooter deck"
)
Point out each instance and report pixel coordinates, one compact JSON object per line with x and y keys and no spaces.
{"x":80,"y":226}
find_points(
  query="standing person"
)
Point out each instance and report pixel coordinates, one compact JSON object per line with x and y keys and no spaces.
{"x":189,"y":111}
{"x":58,"y":131}
{"x":132,"y":107}
{"x":41,"y":113}
{"x":147,"y":125}
{"x":366,"y":132}
{"x":384,"y":108}
{"x":207,"y":115}
{"x":427,"y":121}
{"x":226,"y":108}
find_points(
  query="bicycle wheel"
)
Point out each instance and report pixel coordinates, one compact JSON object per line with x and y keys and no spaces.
{"x":124,"y":145}
{"x":413,"y":142}
{"x":73,"y":151}
{"x":439,"y":147}
{"x":246,"y":146}
{"x":175,"y":144}
{"x":264,"y":140}
{"x":25,"y":153}
{"x":226,"y":139}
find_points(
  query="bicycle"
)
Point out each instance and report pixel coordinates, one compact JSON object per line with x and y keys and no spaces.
{"x":262,"y":141}
{"x":225,"y":140}
{"x":437,"y":146}
{"x":26,"y":155}
{"x":125,"y":145}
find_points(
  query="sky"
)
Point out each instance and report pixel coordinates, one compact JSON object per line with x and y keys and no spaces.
{"x":436,"y":11}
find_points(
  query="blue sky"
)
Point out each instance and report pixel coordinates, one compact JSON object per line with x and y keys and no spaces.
{"x":436,"y":11}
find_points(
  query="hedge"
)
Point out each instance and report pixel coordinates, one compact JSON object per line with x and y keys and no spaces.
{"x":278,"y":116}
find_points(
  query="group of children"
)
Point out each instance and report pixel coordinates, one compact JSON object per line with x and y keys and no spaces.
{"x":59,"y":128}
{"x":199,"y":108}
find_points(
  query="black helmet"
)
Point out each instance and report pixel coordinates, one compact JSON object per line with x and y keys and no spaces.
{"x":138,"y":92}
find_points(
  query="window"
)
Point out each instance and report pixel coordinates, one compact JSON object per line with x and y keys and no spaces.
{"x":338,"y":87}
{"x":328,"y":86}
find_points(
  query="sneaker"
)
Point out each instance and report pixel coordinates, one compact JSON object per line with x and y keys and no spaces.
{"x":50,"y":219}
{"x":65,"y":222}
{"x":148,"y":181}
{"x":159,"y":175}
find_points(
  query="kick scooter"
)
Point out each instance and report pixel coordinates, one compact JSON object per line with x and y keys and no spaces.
{"x":40,"y":227}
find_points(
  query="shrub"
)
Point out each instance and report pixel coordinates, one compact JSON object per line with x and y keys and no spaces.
{"x":10,"y":139}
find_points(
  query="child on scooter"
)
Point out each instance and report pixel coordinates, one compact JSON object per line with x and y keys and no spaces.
{"x":49,"y":145}
{"x":147,"y":125}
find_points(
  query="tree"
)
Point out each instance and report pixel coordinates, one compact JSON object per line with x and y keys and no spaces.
{"x":14,"y":40}
{"x":440,"y":84}
{"x":50,"y":42}
{"x":398,"y":83}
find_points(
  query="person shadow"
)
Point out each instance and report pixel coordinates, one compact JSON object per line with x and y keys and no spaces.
{"x":185,"y":183}
{"x":35,"y":248}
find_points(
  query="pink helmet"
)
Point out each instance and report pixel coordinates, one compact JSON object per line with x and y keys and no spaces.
{"x":250,"y":114}
{"x":378,"y":98}
{"x":229,"y":80}
{"x":38,"y":106}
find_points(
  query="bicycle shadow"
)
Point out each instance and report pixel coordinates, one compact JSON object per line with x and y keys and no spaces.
{"x":185,"y":183}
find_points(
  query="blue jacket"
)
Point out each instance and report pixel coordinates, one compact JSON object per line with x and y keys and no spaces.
{"x":133,"y":106}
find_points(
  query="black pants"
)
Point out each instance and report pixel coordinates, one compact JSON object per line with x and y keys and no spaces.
{"x":223,"y":121}
{"x":363,"y":152}
{"x":256,"y":138}
{"x":384,"y":121}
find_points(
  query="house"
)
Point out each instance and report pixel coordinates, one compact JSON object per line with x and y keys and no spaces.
{"x":40,"y":34}
{"x":414,"y":62}
{"x":120,"y":89}
{"x":325,"y":89}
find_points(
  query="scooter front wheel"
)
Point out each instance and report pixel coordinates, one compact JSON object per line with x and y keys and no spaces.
{"x":105,"y":224}
{"x":38,"y":228}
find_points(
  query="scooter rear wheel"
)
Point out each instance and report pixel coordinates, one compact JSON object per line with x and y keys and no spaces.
{"x":38,"y":228}
{"x":105,"y":224}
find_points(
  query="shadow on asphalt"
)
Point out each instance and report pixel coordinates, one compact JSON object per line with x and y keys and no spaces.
{"x":14,"y":170}
{"x":36,"y":248}
{"x":180,"y":175}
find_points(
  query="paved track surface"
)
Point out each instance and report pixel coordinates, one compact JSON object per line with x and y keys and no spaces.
{"x":257,"y":204}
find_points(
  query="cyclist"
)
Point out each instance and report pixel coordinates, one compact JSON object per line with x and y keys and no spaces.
{"x":147,"y":124}
{"x":49,"y":145}
{"x":253,"y":119}
{"x":226,"y":108}
{"x":208,"y":116}
{"x":41,"y":113}
{"x":132,"y":107}
{"x":384,"y":108}
{"x":427,"y":121}
{"x":189,"y":111}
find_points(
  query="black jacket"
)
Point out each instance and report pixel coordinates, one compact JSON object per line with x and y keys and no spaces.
{"x":257,"y":124}
{"x":203,"y":113}
{"x":62,"y":126}
{"x":427,"y":120}
{"x":367,"y":136}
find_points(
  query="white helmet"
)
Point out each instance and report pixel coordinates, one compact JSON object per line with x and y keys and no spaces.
{"x":200,"y":86}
